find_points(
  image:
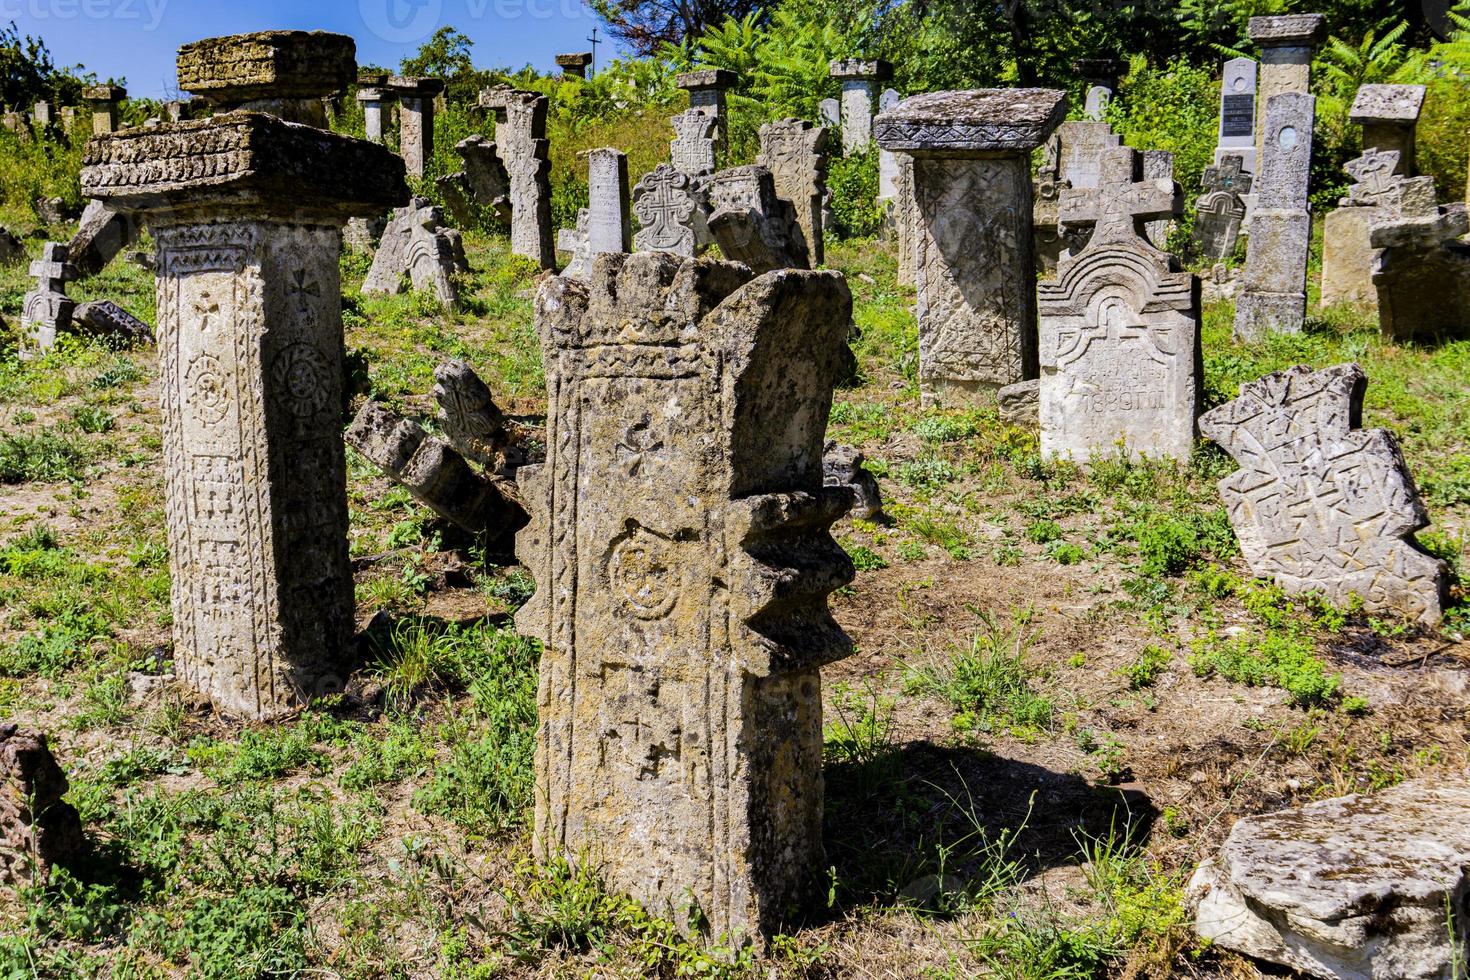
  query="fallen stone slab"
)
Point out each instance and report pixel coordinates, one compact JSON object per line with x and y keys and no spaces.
{"x":105,"y":318}
{"x":1356,"y":888}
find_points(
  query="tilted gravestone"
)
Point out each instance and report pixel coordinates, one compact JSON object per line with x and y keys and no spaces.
{"x":751,"y":224}
{"x":971,"y":208}
{"x":38,"y":828}
{"x":246,"y":211}
{"x":469,"y":417}
{"x":683,"y":606}
{"x":483,"y":183}
{"x":521,"y":141}
{"x":1272,"y":297}
{"x":1319,"y":504}
{"x":1421,"y":266}
{"x":101,"y":236}
{"x":46,"y":309}
{"x":104,"y":318}
{"x":1220,"y":210}
{"x":795,"y":152}
{"x":416,"y":244}
{"x":1120,"y":346}
{"x":667,"y":204}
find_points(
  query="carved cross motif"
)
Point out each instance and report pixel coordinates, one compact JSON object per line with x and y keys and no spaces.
{"x":1227,"y":175}
{"x":638,"y":439}
{"x":693,"y":147}
{"x":1374,"y":175}
{"x":303,"y":286}
{"x":664,"y":205}
{"x":206,"y":307}
{"x":1119,"y":202}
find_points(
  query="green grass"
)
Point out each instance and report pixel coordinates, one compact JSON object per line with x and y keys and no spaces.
{"x":988,"y":682}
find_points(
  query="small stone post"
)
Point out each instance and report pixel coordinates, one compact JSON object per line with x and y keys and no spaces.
{"x":609,"y":225}
{"x":247,"y":213}
{"x":41,"y":116}
{"x":416,"y":120}
{"x":520,"y":139}
{"x":1287,"y":43}
{"x":574,"y":65}
{"x":971,"y":202}
{"x":1389,"y":115}
{"x":706,"y":90}
{"x":1273,"y":287}
{"x":104,"y":101}
{"x":47,"y":310}
{"x":795,"y":152}
{"x":887,"y":162}
{"x":858,"y":77}
{"x":373,"y":93}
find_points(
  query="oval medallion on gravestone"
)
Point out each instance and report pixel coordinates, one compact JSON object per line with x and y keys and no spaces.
{"x":299,"y":378}
{"x":1287,"y":139}
{"x":206,"y":387}
{"x":643,"y":571}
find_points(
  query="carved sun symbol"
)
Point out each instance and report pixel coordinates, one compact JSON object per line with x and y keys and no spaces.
{"x":643,"y":569}
{"x":206,"y":385}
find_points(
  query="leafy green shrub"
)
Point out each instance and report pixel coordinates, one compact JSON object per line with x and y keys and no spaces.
{"x":1275,"y":658}
{"x":46,"y":456}
{"x":989,"y":682}
{"x":928,"y":472}
{"x":945,"y":428}
{"x":1441,"y":148}
{"x":1043,"y":532}
{"x":1147,"y":667}
{"x":1065,"y":552}
{"x":865,"y":559}
{"x":853,"y":181}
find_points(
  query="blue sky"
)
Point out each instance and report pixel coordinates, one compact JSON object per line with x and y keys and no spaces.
{"x":136,"y":39}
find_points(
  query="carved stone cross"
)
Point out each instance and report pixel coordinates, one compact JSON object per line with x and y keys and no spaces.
{"x":1118,"y":203}
{"x":1375,"y":175}
{"x":1227,"y":175}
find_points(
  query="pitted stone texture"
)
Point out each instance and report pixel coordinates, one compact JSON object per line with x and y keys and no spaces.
{"x":1388,"y":115}
{"x":842,"y":466}
{"x":1421,"y":266}
{"x":1320,"y":505}
{"x":1120,"y":346}
{"x":430,"y":469}
{"x":795,"y":152}
{"x":667,"y":203}
{"x":105,"y":318}
{"x":416,"y":244}
{"x":1020,"y":404}
{"x":979,"y":120}
{"x":609,"y":222}
{"x":1074,"y":157}
{"x":46,"y":310}
{"x":693,"y":147}
{"x":1046,"y":236}
{"x":1158,"y":165}
{"x":416,"y":119}
{"x":706,"y":89}
{"x":1355,"y":888}
{"x":752,"y":224}
{"x":286,"y":73}
{"x":1273,"y":287}
{"x":858,"y":77}
{"x":1286,"y":44}
{"x":469,"y":417}
{"x":104,"y":100}
{"x":38,"y":828}
{"x":1220,"y":210}
{"x":483,"y":183}
{"x":905,"y":220}
{"x":1288,"y":29}
{"x":103,"y":234}
{"x":523,"y":148}
{"x":681,"y":549}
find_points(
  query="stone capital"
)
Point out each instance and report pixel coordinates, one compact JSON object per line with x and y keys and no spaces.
{"x":972,"y":123}
{"x":411,"y":87}
{"x":1395,"y":104}
{"x":1288,"y":30}
{"x":860,"y":69}
{"x":268,"y":65}
{"x":715,"y":78}
{"x":578,"y":61}
{"x":104,"y":93}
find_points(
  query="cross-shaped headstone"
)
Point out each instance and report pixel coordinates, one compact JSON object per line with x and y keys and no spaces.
{"x":52,"y":270}
{"x":1376,"y":176}
{"x":1227,"y":175}
{"x":1118,"y":203}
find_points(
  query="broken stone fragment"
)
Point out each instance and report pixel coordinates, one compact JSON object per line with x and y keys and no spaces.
{"x":469,"y":417}
{"x":1356,"y":888}
{"x":842,"y":466}
{"x":105,"y":318}
{"x":38,"y":828}
{"x":102,"y":235}
{"x":1020,"y":403}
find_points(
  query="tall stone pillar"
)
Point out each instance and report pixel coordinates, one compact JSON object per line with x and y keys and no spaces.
{"x":416,"y":120}
{"x":520,"y":139}
{"x":247,"y":212}
{"x":372,"y":93}
{"x":859,"y":78}
{"x":795,"y":152}
{"x":1287,"y":43}
{"x":680,"y":543}
{"x":104,"y":100}
{"x":706,"y":90}
{"x":609,"y":224}
{"x":1273,"y":287}
{"x":971,"y":202}
{"x":574,"y":65}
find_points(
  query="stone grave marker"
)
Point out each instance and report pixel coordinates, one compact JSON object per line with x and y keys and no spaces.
{"x":1319,"y":504}
{"x":104,"y":101}
{"x":1095,"y":106}
{"x":683,"y":605}
{"x":46,"y":309}
{"x":418,"y":245}
{"x":751,"y":223}
{"x":1237,"y":132}
{"x":104,"y":318}
{"x":858,"y":77}
{"x":1158,"y":165}
{"x":38,"y":828}
{"x":706,"y":89}
{"x":692,"y":150}
{"x":469,"y":418}
{"x":609,"y":223}
{"x":887,"y":161}
{"x":1421,"y":266}
{"x":375,"y":96}
{"x":574,"y":65}
{"x":795,"y":152}
{"x":101,"y":236}
{"x":521,"y":142}
{"x":288,"y":74}
{"x":972,"y":221}
{"x":416,"y":120}
{"x":1220,"y":210}
{"x":666,"y":203}
{"x":1287,"y":43}
{"x":1389,"y":117}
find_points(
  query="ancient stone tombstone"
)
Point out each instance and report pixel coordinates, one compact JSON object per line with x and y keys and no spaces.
{"x":104,"y":318}
{"x":573,"y":241}
{"x":102,"y":235}
{"x":1220,"y":210}
{"x":38,"y":828}
{"x":46,"y":310}
{"x":609,"y":222}
{"x":51,"y":210}
{"x":905,"y":220}
{"x":246,"y":211}
{"x":104,"y":101}
{"x":1158,"y":165}
{"x":284,"y":73}
{"x":683,"y":606}
{"x":666,"y":203}
{"x":1046,"y":236}
{"x":1073,"y":158}
{"x":1121,"y":366}
{"x":1287,"y":43}
{"x":1389,"y":116}
{"x":858,"y":77}
{"x":1273,"y":287}
{"x":1095,"y":106}
{"x":68,"y":118}
{"x":829,"y":113}
{"x":375,"y":97}
{"x":416,"y":120}
{"x":1237,"y":131}
{"x":416,"y":244}
{"x":706,"y":89}
{"x":574,"y":65}
{"x":1319,"y":504}
{"x":842,"y":466}
{"x":751,"y":223}
{"x":481,"y":188}
{"x":469,"y":418}
{"x":1369,"y":886}
{"x":1421,"y":266}
{"x":1020,"y":404}
{"x":692,"y":150}
{"x":521,"y":142}
{"x":795,"y":152}
{"x":887,"y":162}
{"x":971,"y":208}
{"x":41,"y":115}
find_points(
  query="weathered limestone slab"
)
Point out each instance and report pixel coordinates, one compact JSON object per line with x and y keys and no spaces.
{"x":666,"y":202}
{"x":1348,"y":255}
{"x":103,"y":234}
{"x":829,"y":113}
{"x":416,"y":244}
{"x":679,"y":540}
{"x":1389,"y":115}
{"x":1320,"y":505}
{"x":609,"y":223}
{"x":795,"y":152}
{"x":1287,"y":43}
{"x":574,"y":242}
{"x":1237,"y":131}
{"x":104,"y":101}
{"x":375,"y":99}
{"x":525,"y":151}
{"x":905,"y":220}
{"x":1273,"y":287}
{"x":842,"y":466}
{"x":247,"y":211}
{"x":416,"y":120}
{"x":1072,"y":158}
{"x":1120,"y":349}
{"x":469,"y":417}
{"x":1220,"y":210}
{"x":887,"y":161}
{"x":284,"y":73}
{"x":574,"y":65}
{"x":38,"y":828}
{"x":858,"y":77}
{"x":1046,"y":235}
{"x":706,"y":89}
{"x":1355,"y":888}
{"x":1158,"y":165}
{"x":973,"y":220}
{"x":751,"y":224}
{"x":41,"y":115}
{"x":1020,"y":404}
{"x":105,"y":318}
{"x":482,"y":184}
{"x":430,"y":469}
{"x":1421,"y":268}
{"x":692,"y":150}
{"x":46,"y":310}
